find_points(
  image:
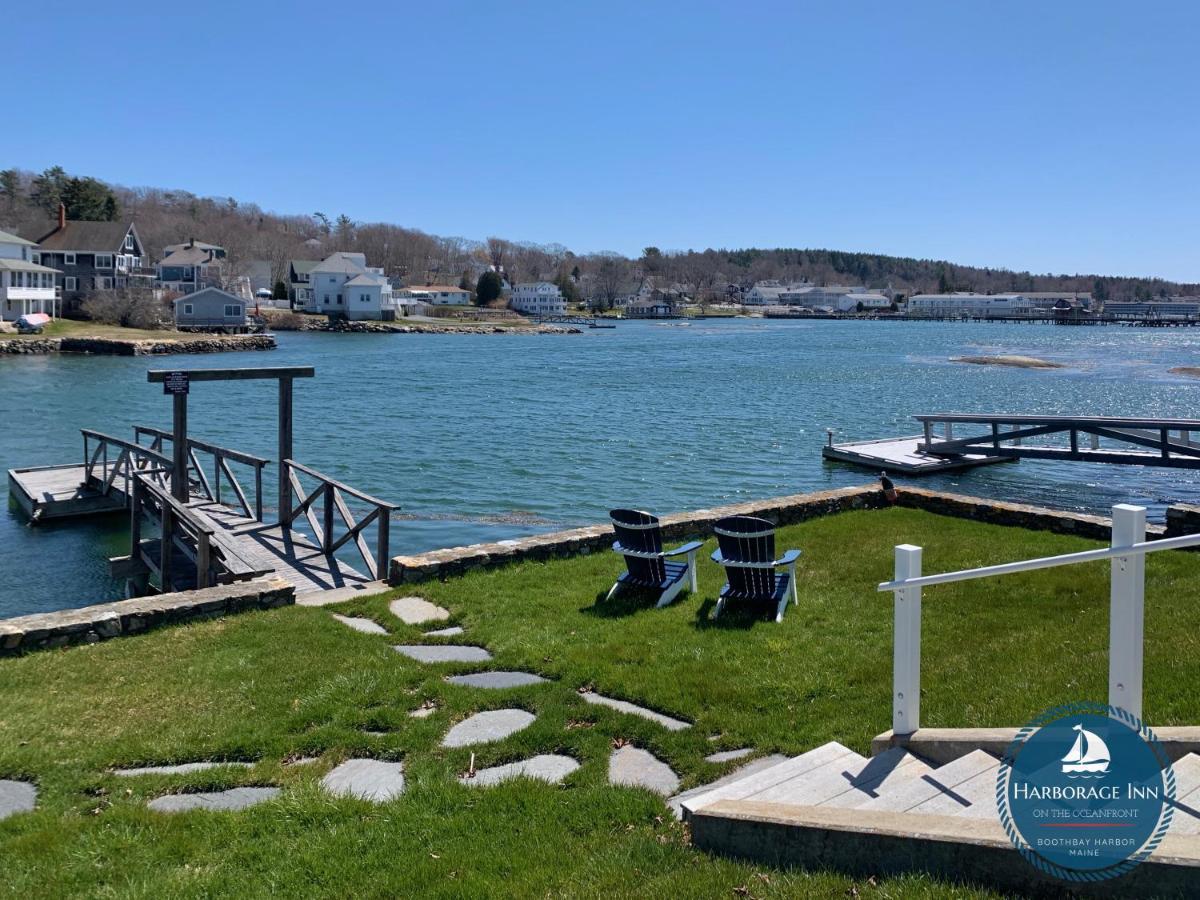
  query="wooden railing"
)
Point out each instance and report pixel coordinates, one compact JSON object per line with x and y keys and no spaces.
{"x":332,"y":497}
{"x":103,"y":472}
{"x":178,"y":527}
{"x":222,"y":475}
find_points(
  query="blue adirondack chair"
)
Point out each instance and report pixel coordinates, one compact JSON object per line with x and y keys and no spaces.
{"x":639,"y":540}
{"x":746,"y":548}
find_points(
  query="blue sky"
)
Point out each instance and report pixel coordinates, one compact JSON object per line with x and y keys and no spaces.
{"x":1054,"y":136}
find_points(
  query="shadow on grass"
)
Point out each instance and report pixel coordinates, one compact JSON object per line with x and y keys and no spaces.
{"x":627,"y":602}
{"x":734,"y":617}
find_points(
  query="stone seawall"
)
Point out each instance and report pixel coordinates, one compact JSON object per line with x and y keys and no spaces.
{"x":440,"y":564}
{"x":89,"y":624}
{"x":402,"y":327}
{"x":140,"y":347}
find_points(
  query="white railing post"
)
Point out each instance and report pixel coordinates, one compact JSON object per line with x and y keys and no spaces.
{"x":1127,"y":600}
{"x":906,"y":653}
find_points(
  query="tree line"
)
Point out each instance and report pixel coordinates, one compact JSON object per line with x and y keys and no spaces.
{"x":29,"y":205}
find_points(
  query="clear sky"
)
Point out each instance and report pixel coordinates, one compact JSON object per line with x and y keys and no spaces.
{"x":1054,"y":136}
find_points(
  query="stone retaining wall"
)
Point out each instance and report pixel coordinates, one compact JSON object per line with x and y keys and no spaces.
{"x":131,"y":347}
{"x":89,"y":624}
{"x":453,"y":561}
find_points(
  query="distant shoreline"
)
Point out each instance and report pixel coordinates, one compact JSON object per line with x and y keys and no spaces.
{"x":105,"y":346}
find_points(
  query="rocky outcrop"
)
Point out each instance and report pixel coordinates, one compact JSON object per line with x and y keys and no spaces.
{"x":121,"y":347}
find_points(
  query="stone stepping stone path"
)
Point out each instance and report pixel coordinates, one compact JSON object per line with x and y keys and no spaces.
{"x":633,"y":709}
{"x":442,"y":653}
{"x":634,"y":767}
{"x":452,"y":631}
{"x":235,"y":799}
{"x":550,"y":767}
{"x":16,"y":797}
{"x":366,"y":779}
{"x":496,"y":680}
{"x":727,"y":755}
{"x":301,"y":761}
{"x":366,"y":626}
{"x":180,"y":768}
{"x":422,"y":711}
{"x":758,"y":765}
{"x":486,"y":727}
{"x":416,"y":611}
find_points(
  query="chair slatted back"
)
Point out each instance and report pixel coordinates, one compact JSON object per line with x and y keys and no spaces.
{"x":747,"y":539}
{"x":640,"y":531}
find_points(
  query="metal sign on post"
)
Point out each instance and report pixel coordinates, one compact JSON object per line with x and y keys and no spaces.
{"x":175,"y":382}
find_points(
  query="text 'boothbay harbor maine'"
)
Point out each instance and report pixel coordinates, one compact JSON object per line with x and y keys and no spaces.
{"x":663,"y":500}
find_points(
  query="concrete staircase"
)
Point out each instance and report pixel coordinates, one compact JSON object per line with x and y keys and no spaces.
{"x":895,"y":812}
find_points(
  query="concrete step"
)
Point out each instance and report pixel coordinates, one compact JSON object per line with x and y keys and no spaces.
{"x":974,"y":797}
{"x":881,"y":775}
{"x":938,"y":782}
{"x":750,"y":768}
{"x":1187,"y":796}
{"x":757,"y":782}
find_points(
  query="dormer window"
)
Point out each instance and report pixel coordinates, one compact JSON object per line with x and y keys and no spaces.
{"x":129,"y":242}
{"x":68,"y":259}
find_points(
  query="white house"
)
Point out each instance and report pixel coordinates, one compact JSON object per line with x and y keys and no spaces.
{"x":867,"y":301}
{"x":333,"y":294}
{"x":968,"y":303}
{"x":443,"y":294}
{"x":25,"y":286}
{"x":538,"y":298}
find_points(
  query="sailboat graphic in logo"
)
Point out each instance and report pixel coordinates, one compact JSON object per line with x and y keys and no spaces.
{"x":1088,"y":756}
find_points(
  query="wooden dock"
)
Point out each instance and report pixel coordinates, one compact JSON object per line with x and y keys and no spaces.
{"x":59,"y":492}
{"x":903,"y":456}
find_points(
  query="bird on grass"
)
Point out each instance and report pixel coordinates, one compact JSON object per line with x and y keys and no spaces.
{"x":889,"y":489}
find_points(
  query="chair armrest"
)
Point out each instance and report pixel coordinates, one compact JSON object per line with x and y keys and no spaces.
{"x":717,"y":557}
{"x":690,"y":547}
{"x":788,"y":558}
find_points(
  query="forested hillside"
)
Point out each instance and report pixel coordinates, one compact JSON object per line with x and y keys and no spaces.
{"x":29,"y":202}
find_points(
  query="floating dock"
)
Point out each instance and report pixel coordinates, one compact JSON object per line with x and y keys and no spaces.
{"x":904,"y":456}
{"x":60,"y":492}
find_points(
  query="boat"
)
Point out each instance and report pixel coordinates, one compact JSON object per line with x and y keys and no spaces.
{"x":1088,"y":756}
{"x":600,"y":325}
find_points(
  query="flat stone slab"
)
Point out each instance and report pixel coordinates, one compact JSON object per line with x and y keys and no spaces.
{"x":441,"y":653}
{"x":16,"y":797}
{"x":366,"y":626}
{"x":727,"y":755}
{"x":422,"y":711}
{"x":234,"y":799}
{"x":485,"y":727}
{"x":635,"y":767}
{"x":416,"y":611}
{"x":759,"y":765}
{"x":366,"y":779}
{"x":550,"y":767}
{"x":633,"y":709}
{"x":452,"y":631}
{"x":180,"y":768}
{"x":497,"y":679}
{"x":302,"y":761}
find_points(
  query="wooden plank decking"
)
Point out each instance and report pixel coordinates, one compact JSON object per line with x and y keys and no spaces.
{"x":56,"y":492}
{"x":901,"y":455}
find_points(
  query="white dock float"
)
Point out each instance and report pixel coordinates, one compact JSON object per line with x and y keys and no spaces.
{"x":903,"y":455}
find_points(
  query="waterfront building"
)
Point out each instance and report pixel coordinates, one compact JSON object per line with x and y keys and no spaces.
{"x":866,"y":301}
{"x":968,"y":303}
{"x":661,"y":306}
{"x":764,"y":293}
{"x":210,"y":309}
{"x":369,"y":297}
{"x":25,"y":286}
{"x":92,"y":256}
{"x":300,"y":292}
{"x":190,"y":267}
{"x":1042,"y":300}
{"x":538,"y":298}
{"x":1161,"y":308}
{"x":443,"y":294}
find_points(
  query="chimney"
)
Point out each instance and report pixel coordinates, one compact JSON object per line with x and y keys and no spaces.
{"x":62,"y":216}
{"x":191,"y":243}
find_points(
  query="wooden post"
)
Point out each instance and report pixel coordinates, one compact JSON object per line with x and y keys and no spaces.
{"x":285,"y":446}
{"x":382,"y":560}
{"x":165,"y":549}
{"x":327,"y":525}
{"x":179,"y":479}
{"x":1126,"y":618}
{"x":203,"y":558}
{"x":928,"y":434}
{"x":258,"y":493}
{"x":906,"y":652}
{"x":135,"y":520}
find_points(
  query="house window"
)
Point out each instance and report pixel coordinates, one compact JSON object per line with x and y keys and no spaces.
{"x":187,"y":309}
{"x":232,"y":310}
{"x":103,"y":283}
{"x":103,"y":260}
{"x":364,"y":298}
{"x":129,"y":242}
{"x":69,"y":282}
{"x":339,"y":299}
{"x":68,"y":259}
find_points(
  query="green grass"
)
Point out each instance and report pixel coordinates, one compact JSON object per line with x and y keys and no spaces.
{"x":61,"y":328}
{"x":269,"y":686}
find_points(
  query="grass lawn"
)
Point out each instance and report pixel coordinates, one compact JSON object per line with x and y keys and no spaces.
{"x":61,"y":328}
{"x":275,"y":685}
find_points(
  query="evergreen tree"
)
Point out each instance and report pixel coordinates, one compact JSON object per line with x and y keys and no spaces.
{"x":489,"y":287}
{"x":47,"y":192}
{"x":280,"y":292}
{"x":89,"y":200}
{"x":10,"y":189}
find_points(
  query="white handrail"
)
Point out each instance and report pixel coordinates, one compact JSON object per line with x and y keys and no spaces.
{"x":1046,"y":562}
{"x":1126,"y":610}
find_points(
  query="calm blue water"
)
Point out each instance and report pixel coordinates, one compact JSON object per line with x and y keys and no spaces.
{"x":492,"y":436}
